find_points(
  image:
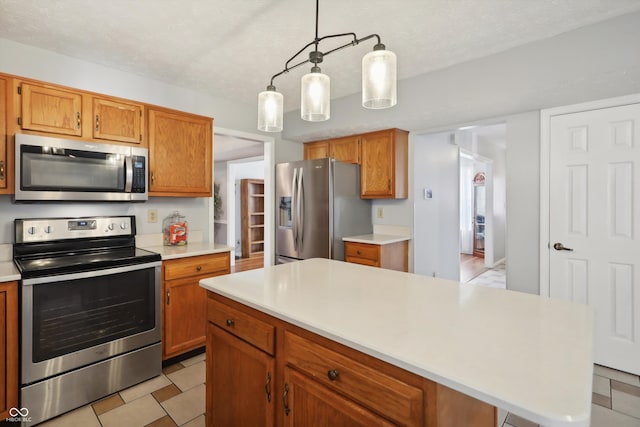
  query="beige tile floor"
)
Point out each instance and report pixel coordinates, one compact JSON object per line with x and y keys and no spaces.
{"x":615,"y":401}
{"x":175,"y":398}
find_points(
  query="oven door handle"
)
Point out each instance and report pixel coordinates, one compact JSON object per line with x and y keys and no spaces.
{"x":92,"y":273}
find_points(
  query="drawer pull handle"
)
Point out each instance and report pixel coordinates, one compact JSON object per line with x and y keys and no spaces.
{"x":358,"y":252}
{"x":333,"y":374}
{"x":267,"y":387}
{"x":199,"y":268}
{"x":231,"y":323}
{"x":285,"y":401}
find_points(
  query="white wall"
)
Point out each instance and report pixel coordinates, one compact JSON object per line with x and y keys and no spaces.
{"x":436,"y":220}
{"x":220,"y":224}
{"x":523,"y":202}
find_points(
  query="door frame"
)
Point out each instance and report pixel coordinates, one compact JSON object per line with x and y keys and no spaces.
{"x":269,"y":191}
{"x":545,"y":170}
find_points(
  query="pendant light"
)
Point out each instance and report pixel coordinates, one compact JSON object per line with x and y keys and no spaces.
{"x":379,"y":78}
{"x":315,"y":96}
{"x":378,"y":82}
{"x":270,"y":110}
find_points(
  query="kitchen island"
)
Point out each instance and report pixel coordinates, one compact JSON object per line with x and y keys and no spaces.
{"x":442,"y":352}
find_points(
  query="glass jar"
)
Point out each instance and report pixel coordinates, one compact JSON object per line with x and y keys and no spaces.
{"x":174,"y":230}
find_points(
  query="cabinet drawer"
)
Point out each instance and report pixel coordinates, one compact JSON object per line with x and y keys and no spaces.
{"x":197,"y":265}
{"x":380,"y":392}
{"x":363,"y":261}
{"x":243,"y":325}
{"x":362,"y":250}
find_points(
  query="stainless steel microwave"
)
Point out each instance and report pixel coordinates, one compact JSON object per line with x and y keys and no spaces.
{"x":54,"y":169}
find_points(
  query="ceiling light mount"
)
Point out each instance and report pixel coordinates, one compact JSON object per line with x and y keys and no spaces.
{"x":378,"y":82}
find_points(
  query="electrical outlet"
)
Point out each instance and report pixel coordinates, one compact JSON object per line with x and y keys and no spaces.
{"x":380,"y":212}
{"x":152,"y":215}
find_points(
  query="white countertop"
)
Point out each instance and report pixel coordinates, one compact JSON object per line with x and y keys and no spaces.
{"x":376,"y":239}
{"x":190,"y":249}
{"x":8,"y":271}
{"x":526,"y":354}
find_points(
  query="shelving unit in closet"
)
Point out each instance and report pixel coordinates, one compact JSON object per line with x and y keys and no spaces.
{"x":252,"y":218}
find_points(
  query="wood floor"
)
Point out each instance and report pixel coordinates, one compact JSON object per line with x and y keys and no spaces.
{"x":243,"y":264}
{"x":470,"y":267}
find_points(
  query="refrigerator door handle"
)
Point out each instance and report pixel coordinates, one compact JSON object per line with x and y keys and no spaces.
{"x":294,"y":213}
{"x":300,"y":208}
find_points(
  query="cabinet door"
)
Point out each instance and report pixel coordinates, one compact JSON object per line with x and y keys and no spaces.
{"x":240,"y":382}
{"x":308,"y":403}
{"x":3,"y":134}
{"x":8,"y":347}
{"x":185,"y":313}
{"x":377,"y":172}
{"x":51,"y":110}
{"x":179,"y":154}
{"x":316,"y":150}
{"x":346,"y":149}
{"x":117,"y":121}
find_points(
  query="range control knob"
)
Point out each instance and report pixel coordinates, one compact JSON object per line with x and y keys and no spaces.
{"x":48,"y":229}
{"x":124,"y":225}
{"x":111,"y":226}
{"x":32,"y":230}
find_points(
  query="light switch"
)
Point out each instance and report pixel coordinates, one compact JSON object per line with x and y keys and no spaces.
{"x":380,"y":212}
{"x":428,"y":194}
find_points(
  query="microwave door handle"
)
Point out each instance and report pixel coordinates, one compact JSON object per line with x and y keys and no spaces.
{"x":294,"y":212}
{"x":301,"y":208}
{"x":128,"y":174}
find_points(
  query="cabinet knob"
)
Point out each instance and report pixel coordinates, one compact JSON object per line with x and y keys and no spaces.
{"x":358,"y":252}
{"x":97,"y":122}
{"x":231,"y":323}
{"x":78,"y":120}
{"x":333,"y":374}
{"x":199,"y":268}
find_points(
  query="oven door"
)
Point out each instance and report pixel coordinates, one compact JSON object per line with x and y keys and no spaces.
{"x":72,"y":320}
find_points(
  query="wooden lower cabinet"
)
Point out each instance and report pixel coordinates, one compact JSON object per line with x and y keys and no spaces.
{"x":307,"y":403}
{"x":185,"y":302}
{"x":240,"y":382}
{"x":393,"y":256}
{"x":8,"y":347}
{"x":262,"y":371}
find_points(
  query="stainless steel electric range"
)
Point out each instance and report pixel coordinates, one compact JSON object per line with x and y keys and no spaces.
{"x":90,"y":311}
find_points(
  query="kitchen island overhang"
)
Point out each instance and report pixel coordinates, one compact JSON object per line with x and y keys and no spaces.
{"x":526,"y":354}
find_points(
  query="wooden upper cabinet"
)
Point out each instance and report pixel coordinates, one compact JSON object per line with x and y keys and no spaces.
{"x":117,"y":121}
{"x":316,"y":150}
{"x":51,"y":110}
{"x":384,"y":164}
{"x":3,"y":135}
{"x":346,"y":149}
{"x":180,"y":154}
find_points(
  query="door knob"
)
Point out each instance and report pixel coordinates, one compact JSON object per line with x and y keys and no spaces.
{"x":560,"y":247}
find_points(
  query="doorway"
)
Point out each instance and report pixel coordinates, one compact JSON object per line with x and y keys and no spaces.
{"x":482,"y":167}
{"x":239,"y":156}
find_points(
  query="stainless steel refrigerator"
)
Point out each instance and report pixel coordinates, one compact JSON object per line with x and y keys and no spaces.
{"x":317,"y":204}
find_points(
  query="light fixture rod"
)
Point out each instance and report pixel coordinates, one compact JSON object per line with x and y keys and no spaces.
{"x":354,"y":42}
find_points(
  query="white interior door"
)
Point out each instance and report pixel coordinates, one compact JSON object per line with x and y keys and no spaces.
{"x":594,"y":200}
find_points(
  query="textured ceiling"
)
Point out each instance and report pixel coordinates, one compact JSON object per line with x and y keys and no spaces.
{"x":232,"y":148}
{"x":230,"y":49}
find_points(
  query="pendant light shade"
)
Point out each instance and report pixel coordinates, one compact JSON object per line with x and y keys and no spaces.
{"x":270,"y":110}
{"x":379,"y":78}
{"x":315,"y":95}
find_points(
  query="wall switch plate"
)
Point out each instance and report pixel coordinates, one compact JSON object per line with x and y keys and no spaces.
{"x":152,"y":215}
{"x":428,"y":194}
{"x":380,"y":212}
